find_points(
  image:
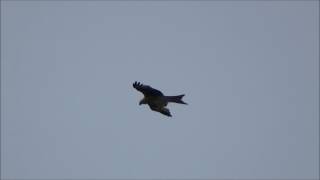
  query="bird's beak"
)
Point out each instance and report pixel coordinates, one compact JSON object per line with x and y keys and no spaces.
{"x":142,"y":102}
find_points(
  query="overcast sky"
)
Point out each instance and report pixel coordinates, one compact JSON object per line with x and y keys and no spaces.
{"x":249,"y":69}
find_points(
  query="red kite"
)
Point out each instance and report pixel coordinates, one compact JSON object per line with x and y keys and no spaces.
{"x":155,"y":99}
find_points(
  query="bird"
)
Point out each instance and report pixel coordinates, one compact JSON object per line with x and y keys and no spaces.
{"x":156,"y":100}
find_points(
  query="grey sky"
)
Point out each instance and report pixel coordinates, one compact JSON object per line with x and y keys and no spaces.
{"x":249,"y":71}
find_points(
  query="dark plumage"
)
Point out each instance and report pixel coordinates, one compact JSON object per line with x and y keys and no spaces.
{"x":155,"y":98}
{"x":147,"y":90}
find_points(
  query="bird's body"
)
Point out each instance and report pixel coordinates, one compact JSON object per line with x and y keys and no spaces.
{"x":155,"y":98}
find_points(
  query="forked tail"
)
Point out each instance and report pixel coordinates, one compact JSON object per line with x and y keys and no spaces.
{"x":176,"y":99}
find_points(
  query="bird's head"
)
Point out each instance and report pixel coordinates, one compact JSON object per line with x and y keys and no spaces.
{"x":143,"y":101}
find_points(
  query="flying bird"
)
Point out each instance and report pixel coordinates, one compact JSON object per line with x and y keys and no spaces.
{"x":155,"y":98}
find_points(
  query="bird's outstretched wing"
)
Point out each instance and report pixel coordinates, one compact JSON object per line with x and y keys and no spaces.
{"x":147,"y":90}
{"x":161,"y":110}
